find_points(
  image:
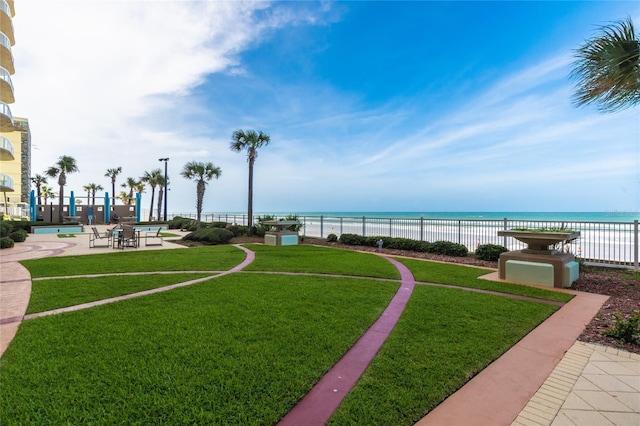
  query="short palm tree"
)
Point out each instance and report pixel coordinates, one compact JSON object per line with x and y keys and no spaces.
{"x":88,"y":189}
{"x":125,"y":197}
{"x":152,"y":178}
{"x":47,"y":192}
{"x":133,"y":185}
{"x":607,"y":68}
{"x":251,"y":141}
{"x":94,"y":187}
{"x":38,"y":181}
{"x":63,"y":167}
{"x":112,"y":173}
{"x":201,"y":173}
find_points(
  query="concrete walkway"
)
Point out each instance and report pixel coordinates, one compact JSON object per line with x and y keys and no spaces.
{"x":546,"y":379}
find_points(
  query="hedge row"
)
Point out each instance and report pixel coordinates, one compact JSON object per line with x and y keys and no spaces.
{"x":438,"y":247}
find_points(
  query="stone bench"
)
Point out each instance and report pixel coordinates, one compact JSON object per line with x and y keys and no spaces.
{"x":529,"y":272}
{"x":571,"y":273}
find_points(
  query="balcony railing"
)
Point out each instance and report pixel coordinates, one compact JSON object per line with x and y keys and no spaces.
{"x":6,"y":56}
{"x":6,"y":118}
{"x":6,"y":183}
{"x":6,"y":149}
{"x":6,"y":87}
{"x":6,"y":25}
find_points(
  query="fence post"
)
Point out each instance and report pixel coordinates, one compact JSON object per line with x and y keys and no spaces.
{"x":459,"y":229}
{"x":321,"y":226}
{"x":421,"y":228}
{"x":363,"y":226}
{"x":390,"y":234}
{"x":635,"y":243}
{"x":504,"y":228}
{"x":340,"y":225}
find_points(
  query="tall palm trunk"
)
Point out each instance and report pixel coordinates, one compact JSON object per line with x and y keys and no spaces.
{"x":250,"y":201}
{"x":160,"y":195}
{"x":62,"y":180}
{"x":153,"y":193}
{"x":199,"y":199}
{"x":113,"y":191}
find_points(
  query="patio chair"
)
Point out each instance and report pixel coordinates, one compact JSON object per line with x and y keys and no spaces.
{"x":128,"y":237}
{"x":155,"y":237}
{"x":98,"y":240}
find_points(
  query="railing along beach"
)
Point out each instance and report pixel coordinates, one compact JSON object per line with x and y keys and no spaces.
{"x":600,"y":243}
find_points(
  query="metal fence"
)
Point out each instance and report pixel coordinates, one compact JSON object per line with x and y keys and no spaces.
{"x":600,"y":243}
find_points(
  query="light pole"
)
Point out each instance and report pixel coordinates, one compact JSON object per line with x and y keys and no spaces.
{"x":165,"y":186}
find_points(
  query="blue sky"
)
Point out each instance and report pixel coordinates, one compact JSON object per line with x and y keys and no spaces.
{"x":371,"y":106}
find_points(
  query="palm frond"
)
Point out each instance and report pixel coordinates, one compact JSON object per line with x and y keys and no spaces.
{"x":607,"y":68}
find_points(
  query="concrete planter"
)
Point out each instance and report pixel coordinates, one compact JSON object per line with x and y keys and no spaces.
{"x":539,"y":264}
{"x":540,"y":241}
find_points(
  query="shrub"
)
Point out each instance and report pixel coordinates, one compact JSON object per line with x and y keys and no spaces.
{"x":238,"y":230}
{"x":21,"y":224}
{"x":627,"y":330}
{"x":448,"y":248}
{"x":490,"y":252}
{"x":179,"y":222}
{"x":332,"y":238}
{"x":352,"y":240}
{"x":216,"y":225}
{"x":6,"y":228}
{"x":19,"y":236}
{"x":210,"y":236}
{"x":260,"y":228}
{"x":294,"y":228}
{"x":6,"y":242}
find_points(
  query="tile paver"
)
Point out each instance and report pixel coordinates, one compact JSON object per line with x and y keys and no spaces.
{"x":605,"y":393}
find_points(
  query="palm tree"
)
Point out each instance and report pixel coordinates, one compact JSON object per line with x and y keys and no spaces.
{"x":201,"y":173}
{"x":38,"y":181}
{"x":251,"y":141}
{"x":47,"y":192}
{"x":161,"y":183}
{"x":112,"y":173}
{"x":64,"y":166}
{"x":125,"y":197}
{"x":151,"y":179}
{"x":91,"y":192}
{"x":95,"y":187}
{"x":139,"y":188}
{"x":607,"y":68}
{"x":133,"y":185}
{"x":88,"y":189}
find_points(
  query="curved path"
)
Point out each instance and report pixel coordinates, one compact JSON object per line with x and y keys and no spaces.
{"x":15,"y":282}
{"x":325,"y":397}
{"x":495,"y":396}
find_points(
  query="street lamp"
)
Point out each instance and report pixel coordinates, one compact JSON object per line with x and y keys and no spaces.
{"x":165,"y":187}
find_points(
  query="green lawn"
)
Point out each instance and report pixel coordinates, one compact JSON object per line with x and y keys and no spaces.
{"x":244,"y":348}
{"x":444,"y":338}
{"x":58,"y":293}
{"x":212,"y":258}
{"x":313,"y":259}
{"x":240,"y":349}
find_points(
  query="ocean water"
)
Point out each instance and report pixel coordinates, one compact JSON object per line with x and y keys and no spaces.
{"x":611,"y":216}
